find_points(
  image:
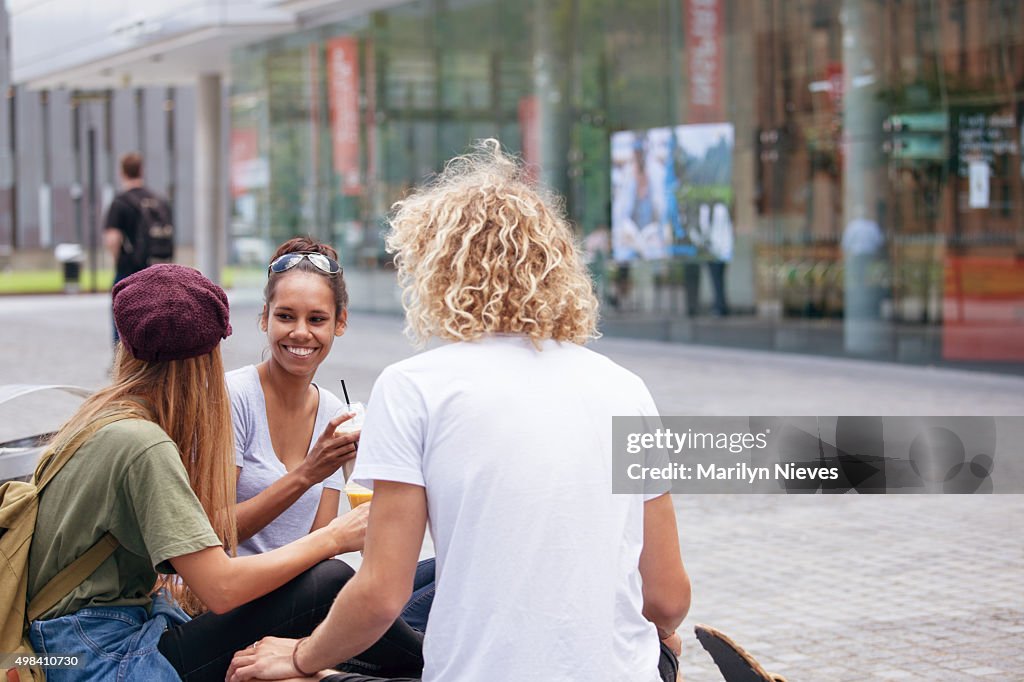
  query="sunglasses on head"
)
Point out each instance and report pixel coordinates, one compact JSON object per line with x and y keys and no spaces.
{"x":290,"y":260}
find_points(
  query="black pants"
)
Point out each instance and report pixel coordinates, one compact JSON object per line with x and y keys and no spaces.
{"x":668,"y":670}
{"x":716,"y":269}
{"x":202,"y":648}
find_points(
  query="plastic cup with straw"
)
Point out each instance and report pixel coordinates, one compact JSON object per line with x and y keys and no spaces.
{"x":358,"y":411}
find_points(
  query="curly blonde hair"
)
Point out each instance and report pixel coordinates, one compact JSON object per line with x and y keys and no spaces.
{"x":480,"y":250}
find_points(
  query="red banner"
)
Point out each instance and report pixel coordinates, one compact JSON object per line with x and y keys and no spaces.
{"x":244,"y":153}
{"x":529,"y":129}
{"x":983,"y":309}
{"x":371,"y":111}
{"x":343,"y":92}
{"x":705,"y":20}
{"x":314,"y":105}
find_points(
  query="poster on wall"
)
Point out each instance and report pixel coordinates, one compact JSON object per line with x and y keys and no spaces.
{"x":978,"y":183}
{"x":665,"y":184}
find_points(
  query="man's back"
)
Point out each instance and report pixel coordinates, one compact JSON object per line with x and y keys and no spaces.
{"x":537,"y":561}
{"x":147,"y":233}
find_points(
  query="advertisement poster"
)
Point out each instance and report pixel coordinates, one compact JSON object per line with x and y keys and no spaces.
{"x":664,"y":180}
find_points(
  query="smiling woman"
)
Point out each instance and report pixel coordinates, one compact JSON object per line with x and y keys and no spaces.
{"x":287,"y":453}
{"x":288,"y":449}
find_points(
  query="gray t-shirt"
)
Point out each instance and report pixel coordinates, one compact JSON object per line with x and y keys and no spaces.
{"x":254,"y":454}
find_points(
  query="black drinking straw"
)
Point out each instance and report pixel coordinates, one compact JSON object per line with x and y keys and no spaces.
{"x":345,"y":391}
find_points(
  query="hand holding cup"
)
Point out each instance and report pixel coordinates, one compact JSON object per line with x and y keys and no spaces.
{"x":335,"y":447}
{"x":353,"y":424}
{"x":349,"y":529}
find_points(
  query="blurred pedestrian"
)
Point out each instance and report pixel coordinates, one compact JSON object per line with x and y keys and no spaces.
{"x":719,"y":245}
{"x":138,"y":228}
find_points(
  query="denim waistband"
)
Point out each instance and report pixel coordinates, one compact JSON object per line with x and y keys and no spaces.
{"x":133,"y":615}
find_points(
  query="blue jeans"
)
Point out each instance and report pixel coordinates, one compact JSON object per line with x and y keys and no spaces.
{"x":417,"y":609}
{"x":113,"y":324}
{"x":112,"y":642}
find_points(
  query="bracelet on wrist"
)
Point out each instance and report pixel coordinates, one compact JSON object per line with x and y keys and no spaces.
{"x":295,"y":659}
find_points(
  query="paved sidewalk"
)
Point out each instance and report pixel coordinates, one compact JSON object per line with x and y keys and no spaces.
{"x":817,"y":588}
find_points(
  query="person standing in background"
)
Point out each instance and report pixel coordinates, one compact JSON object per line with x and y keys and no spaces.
{"x":719,"y":243}
{"x":697,"y":234}
{"x":138,"y":228}
{"x":714,"y":236}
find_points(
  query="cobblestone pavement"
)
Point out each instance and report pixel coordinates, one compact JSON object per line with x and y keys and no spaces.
{"x":817,"y":588}
{"x":859,"y":588}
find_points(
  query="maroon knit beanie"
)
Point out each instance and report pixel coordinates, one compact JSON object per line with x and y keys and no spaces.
{"x":170,"y":312}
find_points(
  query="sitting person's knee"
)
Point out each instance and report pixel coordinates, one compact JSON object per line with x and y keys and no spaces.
{"x":331,"y":573}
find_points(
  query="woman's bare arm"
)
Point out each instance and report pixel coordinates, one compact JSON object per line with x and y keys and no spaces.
{"x":224,"y":583}
{"x":330,"y":451}
{"x":328,"y":508}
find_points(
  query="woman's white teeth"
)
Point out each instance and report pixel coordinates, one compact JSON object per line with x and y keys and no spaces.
{"x":302,"y":352}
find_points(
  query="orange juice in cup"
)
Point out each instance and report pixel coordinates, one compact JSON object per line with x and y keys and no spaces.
{"x":357,"y":494}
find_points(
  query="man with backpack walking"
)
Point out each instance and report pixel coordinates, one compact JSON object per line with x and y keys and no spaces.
{"x":138,"y":230}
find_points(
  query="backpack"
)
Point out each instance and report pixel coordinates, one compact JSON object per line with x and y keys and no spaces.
{"x":19,"y":504}
{"x":154,"y":234}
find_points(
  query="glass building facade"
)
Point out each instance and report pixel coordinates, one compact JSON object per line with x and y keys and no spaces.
{"x":838,"y":177}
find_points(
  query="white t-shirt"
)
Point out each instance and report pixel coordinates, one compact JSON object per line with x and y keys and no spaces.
{"x":254,"y":453}
{"x":537,"y":560}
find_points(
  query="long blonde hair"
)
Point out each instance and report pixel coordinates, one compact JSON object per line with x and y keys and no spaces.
{"x":481,"y":250}
{"x":188,"y":400}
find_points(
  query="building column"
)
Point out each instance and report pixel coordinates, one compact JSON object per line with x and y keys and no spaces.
{"x":548,"y":86}
{"x":864,"y":247}
{"x":210,"y":238}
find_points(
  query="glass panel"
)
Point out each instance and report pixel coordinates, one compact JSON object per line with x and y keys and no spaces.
{"x":826,"y":176}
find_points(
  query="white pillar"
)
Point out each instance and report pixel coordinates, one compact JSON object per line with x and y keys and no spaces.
{"x":209,"y":178}
{"x":548,"y":83}
{"x":865,"y":331}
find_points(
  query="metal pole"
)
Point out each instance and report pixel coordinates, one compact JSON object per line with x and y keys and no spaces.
{"x":93,"y":227}
{"x":209,"y":223}
{"x":76,"y":150}
{"x":865,"y":331}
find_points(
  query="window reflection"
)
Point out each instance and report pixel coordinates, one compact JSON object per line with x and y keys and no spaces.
{"x":876,"y":188}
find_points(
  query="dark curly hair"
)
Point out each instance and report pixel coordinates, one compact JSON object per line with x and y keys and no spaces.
{"x":309,"y":245}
